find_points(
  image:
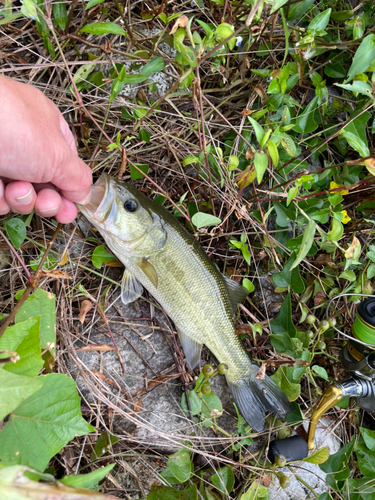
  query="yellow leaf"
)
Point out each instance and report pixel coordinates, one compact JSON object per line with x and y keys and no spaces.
{"x":370,"y":165}
{"x":64,"y":259}
{"x":345,"y":218}
{"x":246,"y":177}
{"x":333,"y":185}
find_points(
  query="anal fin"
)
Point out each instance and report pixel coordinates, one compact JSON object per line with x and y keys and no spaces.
{"x":131,"y":289}
{"x":191,"y":348}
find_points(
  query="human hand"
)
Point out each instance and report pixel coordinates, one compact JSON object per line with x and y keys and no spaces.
{"x":39,"y":166}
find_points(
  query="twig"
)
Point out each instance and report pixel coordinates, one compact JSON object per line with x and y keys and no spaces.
{"x":15,"y":254}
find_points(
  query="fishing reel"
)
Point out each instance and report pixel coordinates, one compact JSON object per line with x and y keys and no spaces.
{"x":358,"y":358}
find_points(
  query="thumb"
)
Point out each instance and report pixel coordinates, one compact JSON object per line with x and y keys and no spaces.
{"x":71,"y":175}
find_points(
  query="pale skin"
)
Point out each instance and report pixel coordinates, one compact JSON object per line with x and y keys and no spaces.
{"x":39,"y":166}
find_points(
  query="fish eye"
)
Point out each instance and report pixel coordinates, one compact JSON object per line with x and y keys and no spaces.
{"x":131,"y":206}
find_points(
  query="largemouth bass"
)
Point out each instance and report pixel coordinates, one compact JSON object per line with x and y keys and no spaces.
{"x":161,"y":256}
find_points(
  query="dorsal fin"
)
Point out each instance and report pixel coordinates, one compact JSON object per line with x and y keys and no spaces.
{"x":236,"y":292}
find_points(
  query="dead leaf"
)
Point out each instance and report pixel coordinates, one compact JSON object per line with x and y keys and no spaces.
{"x":246,"y":177}
{"x":247,"y":112}
{"x":243,"y":330}
{"x":181,"y":22}
{"x":64,"y":259}
{"x":86,"y":305}
{"x":124,"y":159}
{"x":109,"y":382}
{"x":250,"y":154}
{"x":266,"y":479}
{"x":62,"y":275}
{"x":157,"y":381}
{"x":138,"y":406}
{"x":261,"y":375}
{"x":323,"y":259}
{"x":319,"y":298}
{"x":355,"y":245}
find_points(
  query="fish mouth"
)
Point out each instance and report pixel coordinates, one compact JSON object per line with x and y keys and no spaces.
{"x":103,"y":194}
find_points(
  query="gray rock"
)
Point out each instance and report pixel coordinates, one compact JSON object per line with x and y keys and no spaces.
{"x":310,"y":473}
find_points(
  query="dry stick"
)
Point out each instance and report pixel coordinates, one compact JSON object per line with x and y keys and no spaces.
{"x":15,"y":254}
{"x":33,"y":283}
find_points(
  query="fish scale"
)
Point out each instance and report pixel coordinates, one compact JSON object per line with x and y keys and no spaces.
{"x":159,"y":254}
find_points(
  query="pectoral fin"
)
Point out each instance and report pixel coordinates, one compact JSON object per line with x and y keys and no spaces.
{"x":192,"y":349}
{"x":131,"y":289}
{"x":149,"y":272}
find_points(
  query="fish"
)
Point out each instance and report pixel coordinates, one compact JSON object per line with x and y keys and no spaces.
{"x":160,"y":255}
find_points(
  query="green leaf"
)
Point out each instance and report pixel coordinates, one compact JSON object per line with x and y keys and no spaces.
{"x":168,"y":493}
{"x":292,"y":193}
{"x":273,"y":152}
{"x":283,"y":215}
{"x":92,"y":3}
{"x":368,"y":437}
{"x":154,"y":66}
{"x":307,"y":241}
{"x":320,"y":22}
{"x":283,"y":322}
{"x":337,"y":230}
{"x":103,"y":444}
{"x":14,"y":389}
{"x":371,"y":271}
{"x":180,"y":465}
{"x":42,"y":304}
{"x":23,"y":338}
{"x":259,"y":133}
{"x":321,"y":372}
{"x":248,"y":285}
{"x":200,"y":219}
{"x":59,"y":14}
{"x":289,"y":145}
{"x":358,"y":86}
{"x":144,"y":135}
{"x":103,"y":29}
{"x":363,"y":57}
{"x":189,"y":160}
{"x":100,"y":255}
{"x":256,"y":491}
{"x":291,"y":389}
{"x":338,"y":463}
{"x":135,"y":174}
{"x":318,"y":456}
{"x":260,"y":165}
{"x":305,"y":122}
{"x":89,"y":481}
{"x":43,"y":424}
{"x":223,"y":479}
{"x":287,"y":277}
{"x":348,"y":275}
{"x":276,"y":6}
{"x":16,"y":231}
{"x":233,"y":162}
{"x":365,"y":459}
{"x":356,"y":143}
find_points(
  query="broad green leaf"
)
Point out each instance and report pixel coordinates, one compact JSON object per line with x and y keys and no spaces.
{"x":117,"y":84}
{"x":233,"y":162}
{"x":276,"y":6}
{"x":154,"y":66}
{"x":283,"y":215}
{"x":88,"y":481}
{"x":305,"y":122}
{"x":337,"y":230}
{"x":291,"y":389}
{"x":366,"y":459}
{"x":10,"y":18}
{"x":358,"y":86}
{"x":92,"y":3}
{"x":289,"y":145}
{"x":144,"y":135}
{"x":287,"y":277}
{"x":358,"y":126}
{"x":307,"y":241}
{"x":299,"y":9}
{"x":283,"y":322}
{"x":348,"y":275}
{"x":29,"y":9}
{"x":200,"y":219}
{"x":256,"y":491}
{"x":16,"y":231}
{"x":43,"y":424}
{"x":318,"y":456}
{"x":103,"y":29}
{"x":82,"y":74}
{"x":134,"y":174}
{"x":292,"y":193}
{"x":273,"y":152}
{"x":338,"y":463}
{"x":319,"y":370}
{"x":59,"y":14}
{"x":195,"y":403}
{"x":260,"y":165}
{"x":42,"y":304}
{"x":356,"y":143}
{"x":320,"y":22}
{"x":189,"y":160}
{"x":134,"y":79}
{"x":223,"y":31}
{"x":14,"y":389}
{"x":100,"y":255}
{"x":168,"y":493}
{"x":259,"y":133}
{"x":363,"y":57}
{"x":23,"y":338}
{"x":248,"y":285}
{"x":180,"y":465}
{"x":368,"y":437}
{"x":223,"y":479}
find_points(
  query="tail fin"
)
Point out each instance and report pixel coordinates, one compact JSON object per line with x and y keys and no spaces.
{"x":255,"y":397}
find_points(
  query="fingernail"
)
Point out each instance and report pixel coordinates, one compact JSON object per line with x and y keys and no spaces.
{"x":26,"y":199}
{"x":48,"y":210}
{"x":86,"y":200}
